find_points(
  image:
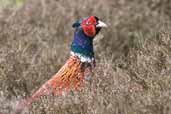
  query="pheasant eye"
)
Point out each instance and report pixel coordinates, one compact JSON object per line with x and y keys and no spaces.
{"x":88,"y":23}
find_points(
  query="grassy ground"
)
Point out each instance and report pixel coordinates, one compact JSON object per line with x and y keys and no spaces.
{"x":133,"y":56}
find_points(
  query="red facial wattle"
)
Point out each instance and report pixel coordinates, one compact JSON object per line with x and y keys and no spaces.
{"x":89,"y":26}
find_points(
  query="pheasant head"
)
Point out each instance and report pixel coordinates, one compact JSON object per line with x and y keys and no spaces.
{"x":85,"y":31}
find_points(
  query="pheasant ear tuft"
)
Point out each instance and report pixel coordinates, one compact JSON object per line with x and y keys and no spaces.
{"x":76,"y":25}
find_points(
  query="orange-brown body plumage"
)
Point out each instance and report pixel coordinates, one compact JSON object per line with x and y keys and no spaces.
{"x":70,"y":77}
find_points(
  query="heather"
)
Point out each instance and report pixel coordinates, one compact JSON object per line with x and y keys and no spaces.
{"x":133,"y":70}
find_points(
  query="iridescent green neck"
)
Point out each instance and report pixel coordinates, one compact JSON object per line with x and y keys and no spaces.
{"x":82,"y":44}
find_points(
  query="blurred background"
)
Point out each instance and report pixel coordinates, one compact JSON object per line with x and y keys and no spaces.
{"x":133,"y":72}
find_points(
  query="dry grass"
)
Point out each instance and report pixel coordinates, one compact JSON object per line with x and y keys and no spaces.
{"x":133,"y":56}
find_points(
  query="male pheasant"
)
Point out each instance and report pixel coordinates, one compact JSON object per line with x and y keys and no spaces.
{"x":78,"y":67}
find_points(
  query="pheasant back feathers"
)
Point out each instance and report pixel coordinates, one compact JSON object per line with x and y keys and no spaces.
{"x":70,"y":77}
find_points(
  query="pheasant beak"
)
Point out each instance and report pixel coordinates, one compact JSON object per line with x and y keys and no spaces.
{"x":101,"y":24}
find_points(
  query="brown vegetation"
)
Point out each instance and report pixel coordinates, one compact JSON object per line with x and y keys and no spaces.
{"x":133,"y":56}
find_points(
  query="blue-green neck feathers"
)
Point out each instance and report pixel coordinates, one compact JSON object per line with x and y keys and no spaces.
{"x":82,"y":44}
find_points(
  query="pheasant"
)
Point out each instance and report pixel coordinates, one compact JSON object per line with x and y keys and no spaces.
{"x":78,"y":68}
